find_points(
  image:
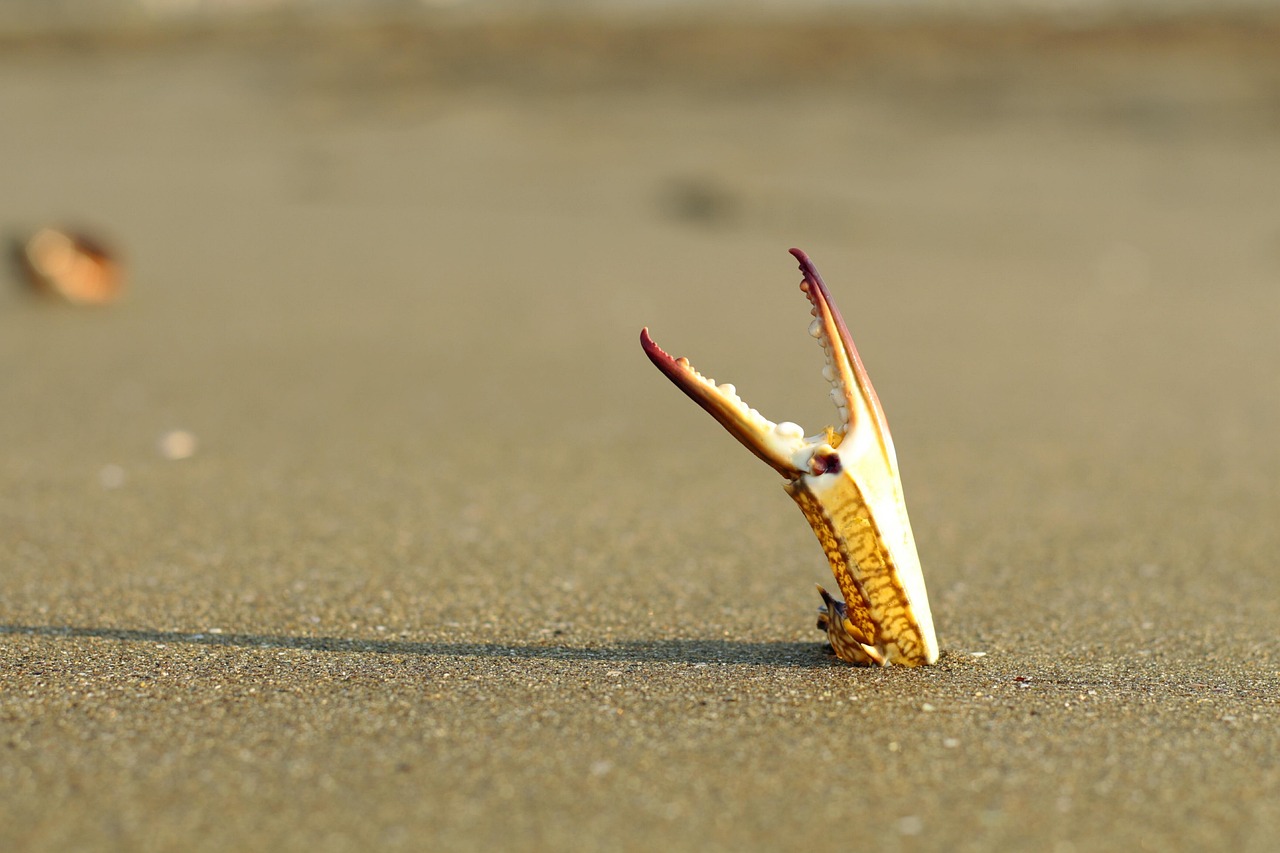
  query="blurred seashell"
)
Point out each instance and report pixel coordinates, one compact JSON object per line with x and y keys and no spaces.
{"x":72,"y":265}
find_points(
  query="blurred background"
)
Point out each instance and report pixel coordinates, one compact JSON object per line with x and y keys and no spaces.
{"x":417,"y":240}
{"x":374,"y":378}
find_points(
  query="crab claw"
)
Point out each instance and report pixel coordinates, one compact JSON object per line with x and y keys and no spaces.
{"x":845,"y":481}
{"x":784,"y":445}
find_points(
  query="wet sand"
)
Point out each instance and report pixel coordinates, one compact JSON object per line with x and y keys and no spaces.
{"x":452,"y":567}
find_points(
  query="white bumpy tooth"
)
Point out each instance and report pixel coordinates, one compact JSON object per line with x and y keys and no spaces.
{"x":789,"y":431}
{"x":728,"y":390}
{"x":815,"y":328}
{"x":828,"y":373}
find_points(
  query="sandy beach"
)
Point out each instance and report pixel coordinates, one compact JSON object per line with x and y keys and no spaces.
{"x":441,"y":561}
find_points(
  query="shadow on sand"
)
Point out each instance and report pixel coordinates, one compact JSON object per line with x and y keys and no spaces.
{"x":725,"y":652}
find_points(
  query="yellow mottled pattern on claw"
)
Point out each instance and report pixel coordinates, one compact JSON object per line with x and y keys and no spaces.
{"x":861,"y":626}
{"x":877,"y":604}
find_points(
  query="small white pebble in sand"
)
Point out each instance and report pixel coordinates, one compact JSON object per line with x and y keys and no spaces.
{"x":178,"y":444}
{"x":977,"y":654}
{"x":111,"y":476}
{"x":910,"y":825}
{"x":950,"y":742}
{"x":926,"y":707}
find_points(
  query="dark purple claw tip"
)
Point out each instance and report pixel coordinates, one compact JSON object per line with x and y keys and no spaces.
{"x":806,"y":265}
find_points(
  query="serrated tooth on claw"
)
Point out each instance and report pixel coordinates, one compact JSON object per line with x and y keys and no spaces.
{"x":815,"y":328}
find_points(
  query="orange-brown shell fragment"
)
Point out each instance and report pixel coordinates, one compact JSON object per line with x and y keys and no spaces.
{"x":73,"y":266}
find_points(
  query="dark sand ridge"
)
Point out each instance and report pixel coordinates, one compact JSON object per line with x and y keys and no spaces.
{"x":453,"y":567}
